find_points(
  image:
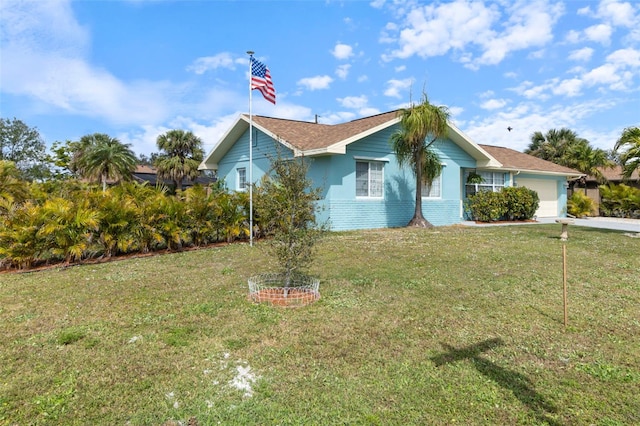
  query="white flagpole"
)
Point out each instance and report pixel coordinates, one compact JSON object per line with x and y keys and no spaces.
{"x":250,"y":53}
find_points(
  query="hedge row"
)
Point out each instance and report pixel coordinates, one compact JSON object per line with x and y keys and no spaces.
{"x":75,"y":222}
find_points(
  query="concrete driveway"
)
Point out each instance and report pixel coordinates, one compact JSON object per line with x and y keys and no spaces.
{"x":613,"y":223}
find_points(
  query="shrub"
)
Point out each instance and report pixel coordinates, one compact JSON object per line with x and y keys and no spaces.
{"x":487,"y":206}
{"x":521,"y":203}
{"x":511,"y":203}
{"x":579,"y":205}
{"x":620,"y":201}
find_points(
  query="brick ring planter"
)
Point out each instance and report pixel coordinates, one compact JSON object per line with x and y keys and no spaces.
{"x":272,"y":289}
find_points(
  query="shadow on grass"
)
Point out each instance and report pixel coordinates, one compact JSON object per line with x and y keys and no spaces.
{"x":517,"y":383}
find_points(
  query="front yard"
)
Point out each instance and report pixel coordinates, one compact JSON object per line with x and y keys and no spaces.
{"x":443,"y":326}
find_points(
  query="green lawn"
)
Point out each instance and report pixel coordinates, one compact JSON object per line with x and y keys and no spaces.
{"x":437,"y":327}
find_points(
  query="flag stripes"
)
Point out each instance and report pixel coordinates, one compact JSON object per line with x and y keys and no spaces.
{"x":261,"y":80}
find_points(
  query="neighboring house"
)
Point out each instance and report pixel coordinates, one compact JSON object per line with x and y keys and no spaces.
{"x":590,"y":185}
{"x":363,"y":186}
{"x":150,"y":175}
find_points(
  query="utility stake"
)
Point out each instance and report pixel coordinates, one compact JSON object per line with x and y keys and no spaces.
{"x":564,"y":281}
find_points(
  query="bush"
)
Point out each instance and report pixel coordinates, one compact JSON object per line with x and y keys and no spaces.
{"x":511,"y":203}
{"x":579,"y":205}
{"x":521,"y":202}
{"x":487,"y":206}
{"x":620,"y":201}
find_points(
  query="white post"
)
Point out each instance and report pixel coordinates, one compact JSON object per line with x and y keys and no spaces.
{"x":250,"y":53}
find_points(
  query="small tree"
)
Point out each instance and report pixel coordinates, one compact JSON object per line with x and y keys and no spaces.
{"x":24,"y":146}
{"x":287,"y":206}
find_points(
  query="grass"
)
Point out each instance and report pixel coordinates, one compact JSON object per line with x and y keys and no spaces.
{"x":443,"y":326}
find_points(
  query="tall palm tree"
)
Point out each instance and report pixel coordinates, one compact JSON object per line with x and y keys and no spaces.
{"x":181,"y":157}
{"x":103,"y":157}
{"x":629,"y":143}
{"x":588,"y":160}
{"x":553,"y":146}
{"x":421,"y":125}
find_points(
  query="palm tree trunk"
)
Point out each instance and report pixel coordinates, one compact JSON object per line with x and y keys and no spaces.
{"x":418,"y":219}
{"x":104,"y":182}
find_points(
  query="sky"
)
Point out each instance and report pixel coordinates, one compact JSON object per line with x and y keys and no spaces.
{"x":135,"y":69}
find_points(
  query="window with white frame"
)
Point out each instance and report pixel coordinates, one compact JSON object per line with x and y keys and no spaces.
{"x":434,"y":190}
{"x":491,"y":181}
{"x":369,"y":179}
{"x":241,"y":178}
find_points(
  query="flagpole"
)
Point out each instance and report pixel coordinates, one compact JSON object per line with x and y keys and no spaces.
{"x":250,"y":53}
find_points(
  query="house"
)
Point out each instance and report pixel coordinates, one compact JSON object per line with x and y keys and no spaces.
{"x":361,"y":182}
{"x":144,"y":173}
{"x":591,"y":186}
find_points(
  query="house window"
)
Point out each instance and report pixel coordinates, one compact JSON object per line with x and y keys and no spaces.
{"x":434,"y":190}
{"x":242,"y":178}
{"x":491,"y":181}
{"x":369,"y":179}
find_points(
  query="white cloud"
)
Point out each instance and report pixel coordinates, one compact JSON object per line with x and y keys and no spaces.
{"x":617,"y":13}
{"x":400,"y":68}
{"x":571,"y":87}
{"x":492,"y":104}
{"x":433,"y":30}
{"x":465,"y":27}
{"x":342,"y":51}
{"x":396,"y":86}
{"x":600,"y":33}
{"x":318,"y":82}
{"x":625,"y":57}
{"x":207,"y":63}
{"x":573,"y":37}
{"x":581,"y":55}
{"x":528,"y":117}
{"x":354,"y":102}
{"x":343,"y":71}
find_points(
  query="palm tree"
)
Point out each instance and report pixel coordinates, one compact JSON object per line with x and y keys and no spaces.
{"x":421,"y":125}
{"x":630,"y":156}
{"x":553,"y":146}
{"x":11,"y":187}
{"x":588,"y":160}
{"x":181,"y":158}
{"x":104,"y":157}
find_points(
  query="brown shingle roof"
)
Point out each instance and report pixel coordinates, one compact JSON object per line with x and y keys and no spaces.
{"x":308,"y":136}
{"x":614,"y":174}
{"x":512,"y":159}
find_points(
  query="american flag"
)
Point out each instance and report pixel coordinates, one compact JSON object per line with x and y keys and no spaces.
{"x":261,"y":80}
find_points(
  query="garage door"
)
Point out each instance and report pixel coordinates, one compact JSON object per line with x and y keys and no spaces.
{"x":547,"y":191}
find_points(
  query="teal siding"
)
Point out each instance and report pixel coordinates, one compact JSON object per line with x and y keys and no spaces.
{"x":264,"y":149}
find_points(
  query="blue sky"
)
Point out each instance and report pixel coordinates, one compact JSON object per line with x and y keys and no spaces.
{"x":135,"y":69}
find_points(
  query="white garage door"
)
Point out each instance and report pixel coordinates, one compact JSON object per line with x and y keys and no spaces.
{"x":547,"y":191}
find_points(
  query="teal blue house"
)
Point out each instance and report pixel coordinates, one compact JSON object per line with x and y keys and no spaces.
{"x":362,"y":184}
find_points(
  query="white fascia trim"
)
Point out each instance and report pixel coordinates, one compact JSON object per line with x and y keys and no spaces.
{"x":516,"y":172}
{"x":359,"y":157}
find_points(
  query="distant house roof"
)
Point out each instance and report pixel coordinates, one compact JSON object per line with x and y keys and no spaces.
{"x":518,"y":161}
{"x":149,"y":174}
{"x":614,"y":175}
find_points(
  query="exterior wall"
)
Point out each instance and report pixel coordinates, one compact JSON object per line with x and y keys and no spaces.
{"x":264,"y":148}
{"x":344,"y":211}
